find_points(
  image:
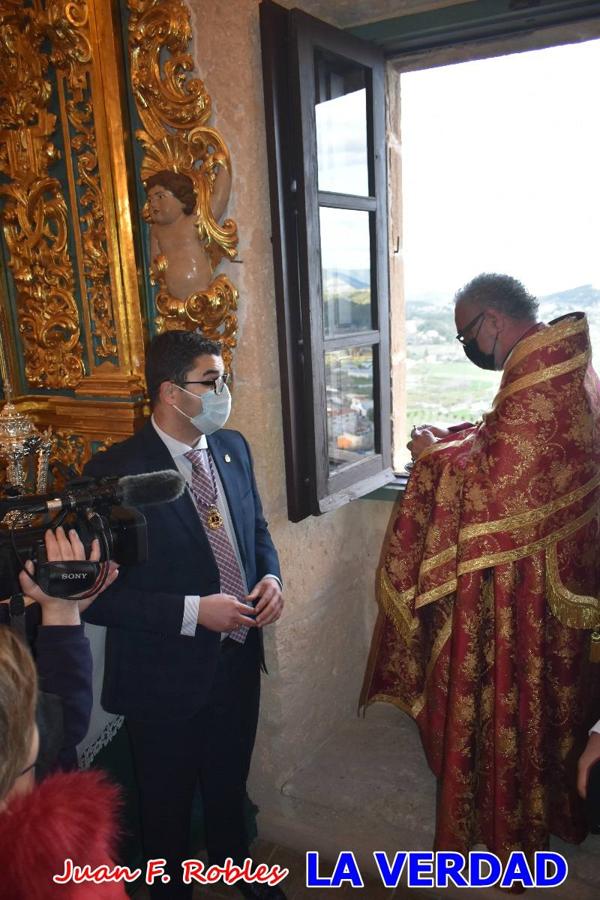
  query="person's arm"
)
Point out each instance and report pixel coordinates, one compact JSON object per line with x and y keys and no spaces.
{"x":463,"y":426}
{"x":267,"y":593}
{"x":64,"y":666}
{"x":126,"y":606}
{"x":267,"y":560}
{"x":62,"y":651}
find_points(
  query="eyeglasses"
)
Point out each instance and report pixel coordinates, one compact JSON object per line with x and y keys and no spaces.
{"x":217,"y":384}
{"x":32,"y":765}
{"x":464,"y":331}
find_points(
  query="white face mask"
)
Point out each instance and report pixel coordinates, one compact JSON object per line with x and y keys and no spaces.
{"x":215,"y":410}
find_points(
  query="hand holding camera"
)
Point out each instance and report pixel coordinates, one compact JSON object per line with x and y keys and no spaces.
{"x":61,"y":547}
{"x":100,"y":514}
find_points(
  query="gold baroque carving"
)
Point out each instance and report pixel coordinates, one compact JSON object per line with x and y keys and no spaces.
{"x":213,"y":312}
{"x":93,"y":231}
{"x":175,"y":109}
{"x":71,"y":54}
{"x":73,"y":451}
{"x":35,"y":212}
{"x":66,"y":23}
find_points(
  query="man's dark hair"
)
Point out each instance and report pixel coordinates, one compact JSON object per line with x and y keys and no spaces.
{"x":172,"y":354}
{"x":181,"y":186}
{"x":502,"y":293}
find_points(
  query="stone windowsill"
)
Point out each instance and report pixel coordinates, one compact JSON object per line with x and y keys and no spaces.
{"x":390,"y":491}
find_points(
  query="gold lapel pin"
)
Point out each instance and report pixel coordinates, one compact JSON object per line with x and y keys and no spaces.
{"x":227,"y":457}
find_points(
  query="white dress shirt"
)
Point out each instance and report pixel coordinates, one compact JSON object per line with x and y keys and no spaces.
{"x":178,"y":449}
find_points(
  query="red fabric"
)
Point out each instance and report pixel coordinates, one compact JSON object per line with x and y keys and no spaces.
{"x":67,"y":816}
{"x":467,"y":642}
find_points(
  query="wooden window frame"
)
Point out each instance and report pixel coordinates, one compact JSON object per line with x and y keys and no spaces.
{"x":289,"y":41}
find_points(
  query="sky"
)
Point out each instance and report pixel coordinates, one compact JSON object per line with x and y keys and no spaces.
{"x":500,"y":171}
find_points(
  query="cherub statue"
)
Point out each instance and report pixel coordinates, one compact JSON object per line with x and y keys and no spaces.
{"x":175,"y":244}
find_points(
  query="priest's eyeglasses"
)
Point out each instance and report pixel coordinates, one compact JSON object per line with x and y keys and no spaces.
{"x":217,"y":384}
{"x":462,"y":334}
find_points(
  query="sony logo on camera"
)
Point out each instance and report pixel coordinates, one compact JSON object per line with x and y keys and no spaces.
{"x":74,"y":575}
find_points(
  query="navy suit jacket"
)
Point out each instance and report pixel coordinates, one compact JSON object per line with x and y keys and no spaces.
{"x":151,"y":670}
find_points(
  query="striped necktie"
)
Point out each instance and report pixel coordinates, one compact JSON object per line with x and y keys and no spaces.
{"x":204,"y":491}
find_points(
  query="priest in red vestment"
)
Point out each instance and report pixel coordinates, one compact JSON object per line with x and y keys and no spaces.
{"x":489,"y":626}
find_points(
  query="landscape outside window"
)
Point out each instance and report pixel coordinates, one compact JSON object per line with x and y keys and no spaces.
{"x":500,"y":174}
{"x":346,"y":268}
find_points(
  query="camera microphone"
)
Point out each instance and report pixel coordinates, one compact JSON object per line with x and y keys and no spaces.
{"x":150,"y":488}
{"x":129,"y":490}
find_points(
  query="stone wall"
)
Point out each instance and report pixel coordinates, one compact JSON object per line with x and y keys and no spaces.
{"x":316,"y":654}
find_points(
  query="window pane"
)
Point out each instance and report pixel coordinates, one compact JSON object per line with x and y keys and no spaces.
{"x":346,"y":271}
{"x":349,"y":386}
{"x":341,"y":120}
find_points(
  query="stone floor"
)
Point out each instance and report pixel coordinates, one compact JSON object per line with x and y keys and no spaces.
{"x":368,"y":788}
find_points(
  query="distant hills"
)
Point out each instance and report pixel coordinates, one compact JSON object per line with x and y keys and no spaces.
{"x":582,"y":297}
{"x":352,"y":279}
{"x":343,"y":282}
{"x":432,"y":321}
{"x":585,"y":297}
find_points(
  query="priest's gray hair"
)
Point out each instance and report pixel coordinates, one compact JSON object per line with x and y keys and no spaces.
{"x":502,"y":293}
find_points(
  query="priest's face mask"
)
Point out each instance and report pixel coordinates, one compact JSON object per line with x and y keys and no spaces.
{"x":468,"y":336}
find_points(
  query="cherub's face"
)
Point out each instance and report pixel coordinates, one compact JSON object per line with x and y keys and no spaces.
{"x":164,"y":206}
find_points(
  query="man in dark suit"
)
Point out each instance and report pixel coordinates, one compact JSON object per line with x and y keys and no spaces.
{"x":184,"y":641}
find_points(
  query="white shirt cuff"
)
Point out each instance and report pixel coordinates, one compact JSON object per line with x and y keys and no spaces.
{"x":190,"y":615}
{"x":278,"y":580}
{"x":595,"y":729}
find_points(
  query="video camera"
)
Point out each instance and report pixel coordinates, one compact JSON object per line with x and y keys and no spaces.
{"x":104,"y":508}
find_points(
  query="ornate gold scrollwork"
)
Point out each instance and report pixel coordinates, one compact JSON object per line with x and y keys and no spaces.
{"x":68,"y":25}
{"x":175,"y":109}
{"x":72,"y":451}
{"x":35,"y":212}
{"x":212,"y":311}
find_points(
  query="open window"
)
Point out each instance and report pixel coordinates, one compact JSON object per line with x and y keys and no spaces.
{"x":325,"y":105}
{"x":330,"y":144}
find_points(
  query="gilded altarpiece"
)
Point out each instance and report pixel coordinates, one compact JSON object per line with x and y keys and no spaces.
{"x":95,"y":97}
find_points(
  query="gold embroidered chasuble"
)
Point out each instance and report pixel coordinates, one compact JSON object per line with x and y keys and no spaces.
{"x":488,"y":594}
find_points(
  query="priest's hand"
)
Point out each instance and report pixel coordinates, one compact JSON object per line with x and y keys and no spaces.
{"x":436,"y":431}
{"x":590,"y":755}
{"x":421,"y":438}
